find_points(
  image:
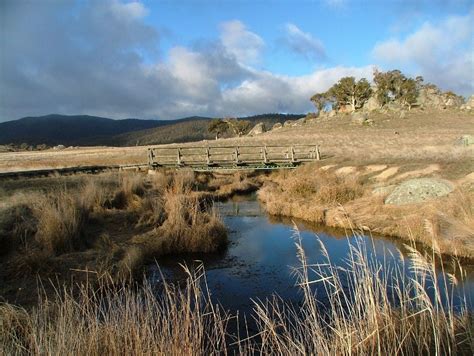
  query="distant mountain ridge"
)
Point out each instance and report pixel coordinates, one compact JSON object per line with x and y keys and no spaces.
{"x":81,"y":130}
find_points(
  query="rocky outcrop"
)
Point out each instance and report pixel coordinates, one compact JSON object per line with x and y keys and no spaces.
{"x":257,"y":129}
{"x":466,"y":140}
{"x":469,"y":105}
{"x":300,"y":122}
{"x":419,"y":190}
{"x":432,"y":97}
{"x":293,"y":123}
{"x":371,"y":104}
{"x":277,"y":126}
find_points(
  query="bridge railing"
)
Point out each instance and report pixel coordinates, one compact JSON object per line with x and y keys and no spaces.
{"x":225,"y":156}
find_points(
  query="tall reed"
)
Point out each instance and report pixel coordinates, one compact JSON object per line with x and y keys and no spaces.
{"x":368,"y":308}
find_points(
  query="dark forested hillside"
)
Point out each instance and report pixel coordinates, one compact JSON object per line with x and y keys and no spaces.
{"x":67,"y":130}
{"x":82,"y":130}
{"x":187,"y":130}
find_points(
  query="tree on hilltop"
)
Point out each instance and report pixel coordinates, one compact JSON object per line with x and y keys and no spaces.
{"x":322,"y":100}
{"x":218,"y":127}
{"x":235,"y":126}
{"x":238,"y":127}
{"x":395,"y":86}
{"x":346,"y":92}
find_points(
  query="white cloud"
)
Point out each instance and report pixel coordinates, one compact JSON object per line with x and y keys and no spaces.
{"x":245,"y":45}
{"x":304,"y":43}
{"x":128,"y":11}
{"x":441,"y":52}
{"x":92,"y":62}
{"x":264,"y":92}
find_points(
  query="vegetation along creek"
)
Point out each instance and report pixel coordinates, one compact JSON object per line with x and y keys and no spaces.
{"x":261,"y":258}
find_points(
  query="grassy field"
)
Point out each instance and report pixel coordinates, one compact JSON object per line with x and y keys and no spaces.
{"x":422,"y":136}
{"x":72,"y":244}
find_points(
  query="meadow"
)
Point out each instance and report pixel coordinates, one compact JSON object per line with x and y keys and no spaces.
{"x":73,"y":248}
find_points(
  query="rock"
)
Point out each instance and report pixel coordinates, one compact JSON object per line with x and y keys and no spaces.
{"x":257,"y":129}
{"x":299,"y":122}
{"x":469,"y":104}
{"x":312,"y":116}
{"x":470,"y":101}
{"x":288,"y":123}
{"x":419,"y":190}
{"x":59,"y":147}
{"x":277,"y":126}
{"x":430,"y":97}
{"x":466,"y":140}
{"x":345,"y":109}
{"x":359,"y":118}
{"x":384,"y":190}
{"x":371,"y":104}
{"x":394,"y":106}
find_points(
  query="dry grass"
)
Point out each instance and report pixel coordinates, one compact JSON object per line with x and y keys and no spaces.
{"x":61,"y":220}
{"x":117,"y":321}
{"x":346,"y":201}
{"x":189,"y":226}
{"x":359,"y":316}
{"x":421,"y":136}
{"x":307,"y":193}
{"x":109,"y":224}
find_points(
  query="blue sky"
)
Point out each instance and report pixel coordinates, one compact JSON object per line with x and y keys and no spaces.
{"x":170,"y":59}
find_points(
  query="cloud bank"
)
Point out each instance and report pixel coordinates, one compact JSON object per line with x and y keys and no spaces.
{"x":103,"y":58}
{"x":441,"y":52}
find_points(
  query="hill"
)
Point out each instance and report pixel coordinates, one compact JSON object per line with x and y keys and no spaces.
{"x":82,"y":130}
{"x":67,"y":129}
{"x":187,"y":130}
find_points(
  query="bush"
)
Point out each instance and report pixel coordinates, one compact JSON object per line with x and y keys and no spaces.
{"x":61,"y":219}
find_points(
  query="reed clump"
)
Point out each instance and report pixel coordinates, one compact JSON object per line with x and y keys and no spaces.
{"x":61,"y":220}
{"x":118,"y":320}
{"x":364,"y":307}
{"x":189,"y":226}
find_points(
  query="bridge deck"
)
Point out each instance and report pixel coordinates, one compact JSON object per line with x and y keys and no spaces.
{"x":232,"y":157}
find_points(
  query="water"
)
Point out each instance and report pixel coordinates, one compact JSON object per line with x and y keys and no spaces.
{"x":261,"y":257}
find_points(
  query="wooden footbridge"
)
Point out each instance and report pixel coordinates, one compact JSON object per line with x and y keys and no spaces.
{"x":206,"y":158}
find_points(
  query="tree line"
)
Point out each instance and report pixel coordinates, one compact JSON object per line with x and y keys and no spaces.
{"x":349,"y":94}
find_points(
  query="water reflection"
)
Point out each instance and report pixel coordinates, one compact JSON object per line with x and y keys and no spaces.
{"x":261,"y":256}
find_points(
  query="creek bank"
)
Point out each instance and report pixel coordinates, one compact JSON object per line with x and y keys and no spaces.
{"x":445,"y":224}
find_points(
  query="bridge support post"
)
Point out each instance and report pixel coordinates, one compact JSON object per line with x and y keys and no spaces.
{"x":318,"y":154}
{"x":237,"y":154}
{"x":292,"y":152}
{"x":208,"y":156}
{"x":151,"y":156}
{"x":179,"y":156}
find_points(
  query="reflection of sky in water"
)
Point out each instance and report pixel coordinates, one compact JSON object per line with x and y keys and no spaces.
{"x":261,"y":254}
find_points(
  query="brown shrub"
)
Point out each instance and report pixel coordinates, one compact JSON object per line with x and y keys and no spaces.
{"x":323,"y":187}
{"x":17,"y":227}
{"x":131,"y":188}
{"x":93,"y":195}
{"x":61,"y":219}
{"x":189,"y":227}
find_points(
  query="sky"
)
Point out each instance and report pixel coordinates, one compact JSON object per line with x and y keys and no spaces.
{"x":171,"y":59}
